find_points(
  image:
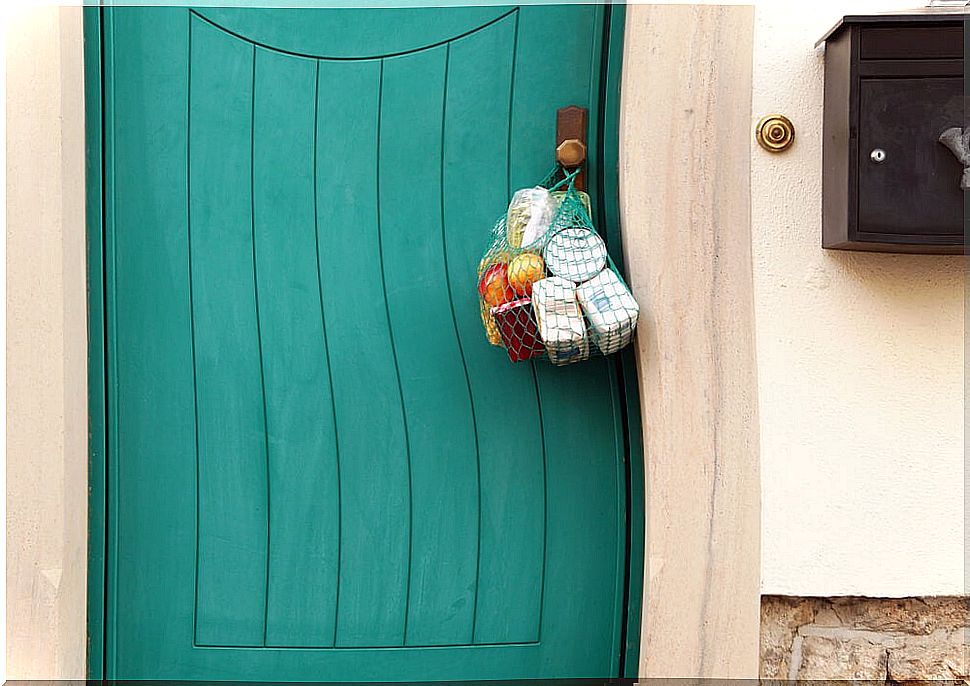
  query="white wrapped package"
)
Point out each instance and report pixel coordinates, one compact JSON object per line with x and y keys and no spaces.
{"x":611,"y":310}
{"x":561,"y":325}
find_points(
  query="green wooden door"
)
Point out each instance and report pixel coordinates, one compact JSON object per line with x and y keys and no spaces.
{"x":317,"y":468}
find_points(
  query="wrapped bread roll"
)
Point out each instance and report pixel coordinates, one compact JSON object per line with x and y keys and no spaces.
{"x":530,"y":215}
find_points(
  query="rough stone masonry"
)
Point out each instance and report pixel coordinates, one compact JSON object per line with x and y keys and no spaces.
{"x":889,"y":640}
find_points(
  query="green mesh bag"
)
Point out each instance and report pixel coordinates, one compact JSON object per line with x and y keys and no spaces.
{"x":546,"y":284}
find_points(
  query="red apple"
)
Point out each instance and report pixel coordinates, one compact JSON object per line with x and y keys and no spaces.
{"x":494,"y":285}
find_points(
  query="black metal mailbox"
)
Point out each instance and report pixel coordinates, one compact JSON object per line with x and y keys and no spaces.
{"x":893,"y":88}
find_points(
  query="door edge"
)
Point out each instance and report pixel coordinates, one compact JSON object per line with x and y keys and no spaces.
{"x":625,"y":362}
{"x":97,"y":410}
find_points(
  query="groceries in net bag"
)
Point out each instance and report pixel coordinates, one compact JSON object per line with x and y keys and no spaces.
{"x":547,"y":286}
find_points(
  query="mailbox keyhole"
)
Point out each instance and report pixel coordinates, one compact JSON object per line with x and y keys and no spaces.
{"x":878,"y":155}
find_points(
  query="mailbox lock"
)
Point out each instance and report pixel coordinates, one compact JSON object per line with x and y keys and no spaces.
{"x":878,"y":155}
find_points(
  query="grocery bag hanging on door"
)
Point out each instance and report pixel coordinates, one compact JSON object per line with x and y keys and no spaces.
{"x":547,"y":286}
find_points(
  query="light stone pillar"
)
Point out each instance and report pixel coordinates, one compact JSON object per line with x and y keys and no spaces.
{"x":685,"y":137}
{"x":46,"y":346}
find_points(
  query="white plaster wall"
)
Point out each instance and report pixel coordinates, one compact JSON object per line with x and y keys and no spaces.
{"x":860,"y":363}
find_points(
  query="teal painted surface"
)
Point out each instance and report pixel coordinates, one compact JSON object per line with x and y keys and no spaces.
{"x":318,"y":468}
{"x":94,"y":171}
{"x":626,"y":370}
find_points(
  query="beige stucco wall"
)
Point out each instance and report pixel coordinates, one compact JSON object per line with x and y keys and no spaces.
{"x":46,"y":346}
{"x":860,"y":363}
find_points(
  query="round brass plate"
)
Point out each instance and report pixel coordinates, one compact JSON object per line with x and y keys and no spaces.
{"x":775,"y":133}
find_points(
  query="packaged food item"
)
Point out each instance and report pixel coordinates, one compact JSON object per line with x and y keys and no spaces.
{"x":561,"y":325}
{"x":517,"y":326}
{"x":575,"y":253}
{"x":530,"y":215}
{"x":525,"y":270}
{"x":611,"y":310}
{"x":491,"y":328}
{"x":583,"y":197}
{"x":494,"y":285}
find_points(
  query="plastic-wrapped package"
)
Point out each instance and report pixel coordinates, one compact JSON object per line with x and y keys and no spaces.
{"x":561,"y":325}
{"x":610,"y":309}
{"x":529,"y":216}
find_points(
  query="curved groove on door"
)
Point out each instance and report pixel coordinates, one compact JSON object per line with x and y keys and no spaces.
{"x":323,"y":323}
{"x":508,"y":593}
{"x":444,"y":473}
{"x":233,"y":508}
{"x":304,"y":497}
{"x":461,"y":349}
{"x":304,"y":173}
{"x":433,"y":43}
{"x":385,"y":298}
{"x":374,"y":499}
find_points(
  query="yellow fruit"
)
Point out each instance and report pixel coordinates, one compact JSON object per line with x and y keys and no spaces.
{"x":525,"y":270}
{"x":491,"y":328}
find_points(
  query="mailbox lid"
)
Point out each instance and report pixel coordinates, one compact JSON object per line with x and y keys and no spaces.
{"x":920,"y":41}
{"x":926,"y":15}
{"x":915,"y":191}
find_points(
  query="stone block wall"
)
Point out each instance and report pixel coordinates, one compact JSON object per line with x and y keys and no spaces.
{"x":889,"y":640}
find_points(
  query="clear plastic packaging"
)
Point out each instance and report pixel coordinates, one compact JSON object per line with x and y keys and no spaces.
{"x":529,"y":216}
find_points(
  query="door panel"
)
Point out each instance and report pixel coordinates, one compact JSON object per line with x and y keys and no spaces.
{"x":319,"y":468}
{"x":443,"y":519}
{"x":232,"y":453}
{"x":373,"y":482}
{"x":304,"y":523}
